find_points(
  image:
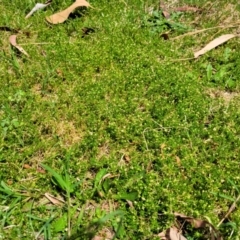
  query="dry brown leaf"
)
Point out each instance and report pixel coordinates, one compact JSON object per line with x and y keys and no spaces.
{"x":216,"y":42}
{"x":166,"y":14}
{"x":54,"y":200}
{"x":13,"y":42}
{"x":165,"y":36}
{"x":171,"y":234}
{"x":127,"y":158}
{"x":62,"y":16}
{"x":198,"y":223}
{"x":164,"y":9}
{"x":40,"y":170}
{"x":26,"y":166}
{"x":37,"y":7}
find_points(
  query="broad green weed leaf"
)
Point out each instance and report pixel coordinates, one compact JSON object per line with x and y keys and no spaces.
{"x":99,"y":177}
{"x":110,"y":216}
{"x":106,"y":185}
{"x":126,"y":196}
{"x":60,"y":224}
{"x":209,"y":71}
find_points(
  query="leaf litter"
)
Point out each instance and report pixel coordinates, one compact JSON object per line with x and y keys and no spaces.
{"x":213,"y":44}
{"x":166,"y":12}
{"x":38,"y":7}
{"x":13,"y":42}
{"x":62,"y":16}
{"x":171,"y":233}
{"x":54,"y":200}
{"x":175,"y":232}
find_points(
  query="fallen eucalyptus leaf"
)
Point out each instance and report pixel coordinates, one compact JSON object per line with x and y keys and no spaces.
{"x":13,"y":42}
{"x":62,"y":16}
{"x":216,"y":42}
{"x":37,"y":7}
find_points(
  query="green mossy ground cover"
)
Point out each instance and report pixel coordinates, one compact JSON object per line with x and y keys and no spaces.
{"x":133,"y":132}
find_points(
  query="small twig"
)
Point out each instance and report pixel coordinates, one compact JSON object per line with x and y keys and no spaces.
{"x":204,"y":30}
{"x":231,"y":209}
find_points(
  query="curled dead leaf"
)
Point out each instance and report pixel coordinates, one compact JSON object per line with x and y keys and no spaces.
{"x":171,"y":233}
{"x":13,"y":42}
{"x":62,"y":16}
{"x":216,"y":42}
{"x":198,"y":223}
{"x":37,"y":7}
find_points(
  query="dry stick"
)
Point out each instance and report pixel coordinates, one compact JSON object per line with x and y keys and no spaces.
{"x":230,"y":210}
{"x":203,"y":30}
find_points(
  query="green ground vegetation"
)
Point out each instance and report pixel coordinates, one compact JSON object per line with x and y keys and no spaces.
{"x":109,"y":121}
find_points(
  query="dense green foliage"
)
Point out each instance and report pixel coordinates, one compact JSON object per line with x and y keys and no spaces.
{"x":130,"y":136}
